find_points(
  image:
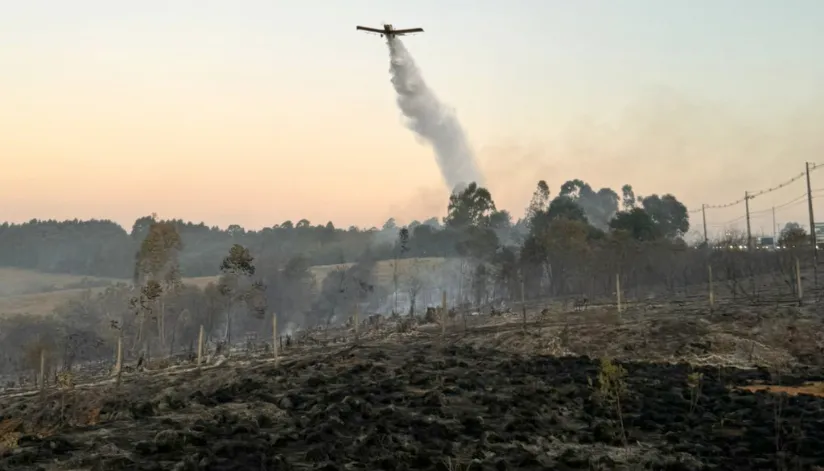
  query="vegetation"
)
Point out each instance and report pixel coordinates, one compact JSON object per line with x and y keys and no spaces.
{"x":570,"y":245}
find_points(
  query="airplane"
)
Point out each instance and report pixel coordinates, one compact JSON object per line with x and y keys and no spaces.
{"x":389,"y":31}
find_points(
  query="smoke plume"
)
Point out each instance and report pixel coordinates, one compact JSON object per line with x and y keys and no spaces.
{"x":432,"y":121}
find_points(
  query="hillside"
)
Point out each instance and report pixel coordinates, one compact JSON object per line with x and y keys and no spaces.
{"x":33,"y":292}
{"x":15,"y":281}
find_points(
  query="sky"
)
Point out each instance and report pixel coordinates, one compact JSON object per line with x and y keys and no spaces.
{"x":255,"y":112}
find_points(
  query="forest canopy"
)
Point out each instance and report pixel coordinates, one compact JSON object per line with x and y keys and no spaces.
{"x":473,"y":227}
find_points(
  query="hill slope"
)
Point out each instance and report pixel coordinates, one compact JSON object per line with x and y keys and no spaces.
{"x":33,"y":292}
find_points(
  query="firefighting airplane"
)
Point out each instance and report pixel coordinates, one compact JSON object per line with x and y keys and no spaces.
{"x":389,"y":31}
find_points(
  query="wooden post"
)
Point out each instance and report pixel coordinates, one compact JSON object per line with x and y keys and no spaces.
{"x":443,"y":313}
{"x":712,"y":294}
{"x":42,"y":369}
{"x":798,"y":280}
{"x":618,"y":291}
{"x":275,"y":335}
{"x":200,"y":346}
{"x":118,"y":365}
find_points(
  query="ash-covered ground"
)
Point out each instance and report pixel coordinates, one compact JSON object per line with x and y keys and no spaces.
{"x":490,"y":395}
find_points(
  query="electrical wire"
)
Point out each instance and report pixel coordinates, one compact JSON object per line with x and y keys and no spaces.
{"x":751,"y":195}
{"x":789,"y":203}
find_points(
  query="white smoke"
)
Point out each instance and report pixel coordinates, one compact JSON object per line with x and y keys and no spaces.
{"x":432,"y":121}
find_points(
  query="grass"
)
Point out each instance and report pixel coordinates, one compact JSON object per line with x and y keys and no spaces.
{"x":38,"y":293}
{"x":808,"y":389}
{"x":15,"y":282}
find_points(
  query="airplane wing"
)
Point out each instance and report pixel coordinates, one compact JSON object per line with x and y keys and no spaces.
{"x":364,"y":28}
{"x":404,"y":31}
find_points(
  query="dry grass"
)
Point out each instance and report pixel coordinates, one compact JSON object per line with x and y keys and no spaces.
{"x":9,"y":433}
{"x":19,"y":288}
{"x":809,"y":389}
{"x":16,"y":282}
{"x":40,"y":303}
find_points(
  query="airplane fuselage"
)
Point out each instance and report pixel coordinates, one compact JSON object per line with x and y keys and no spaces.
{"x":390,"y":32}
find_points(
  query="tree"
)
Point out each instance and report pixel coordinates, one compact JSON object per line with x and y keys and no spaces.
{"x":479,"y":243}
{"x":390,"y":225}
{"x":143,"y":307}
{"x":414,"y":284}
{"x":506,"y":276}
{"x":561,"y":207}
{"x":471,"y":207}
{"x":669,"y":214}
{"x":479,"y":284}
{"x":158,"y":253}
{"x":538,"y":203}
{"x":344,"y":289}
{"x":157,"y":271}
{"x":557,"y":255}
{"x":236,"y":268}
{"x":793,"y":236}
{"x":141,"y":226}
{"x":627,"y":197}
{"x":403,"y":247}
{"x":500,"y":220}
{"x":599,"y":206}
{"x":637,"y":223}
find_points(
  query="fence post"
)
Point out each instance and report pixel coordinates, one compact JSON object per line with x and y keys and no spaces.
{"x":618,"y":291}
{"x":200,"y":346}
{"x":712,"y":294}
{"x":443,"y":313}
{"x":798,"y":280}
{"x":275,"y":335}
{"x":118,"y":365}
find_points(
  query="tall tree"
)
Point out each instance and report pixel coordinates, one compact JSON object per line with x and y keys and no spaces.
{"x":627,"y":197}
{"x":401,"y":248}
{"x":157,"y":270}
{"x":793,"y":236}
{"x":669,"y":214}
{"x":538,"y":203}
{"x":471,"y":207}
{"x":637,"y":223}
{"x":599,"y":206}
{"x":236,"y":268}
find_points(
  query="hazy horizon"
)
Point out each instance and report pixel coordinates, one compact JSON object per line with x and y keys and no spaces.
{"x":253,"y":114}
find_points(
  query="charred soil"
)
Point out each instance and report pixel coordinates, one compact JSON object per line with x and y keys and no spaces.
{"x":416,"y":405}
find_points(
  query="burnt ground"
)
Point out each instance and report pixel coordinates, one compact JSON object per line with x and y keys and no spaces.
{"x":490,"y":397}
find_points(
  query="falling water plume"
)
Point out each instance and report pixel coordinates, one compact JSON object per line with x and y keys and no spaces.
{"x":432,"y":121}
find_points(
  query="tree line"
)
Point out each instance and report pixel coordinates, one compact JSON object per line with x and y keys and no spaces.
{"x":574,"y":243}
{"x":105,"y":249}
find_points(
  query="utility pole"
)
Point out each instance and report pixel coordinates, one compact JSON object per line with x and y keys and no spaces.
{"x":747,"y":207}
{"x":812,"y":217}
{"x":812,"y":226}
{"x":704,"y":215}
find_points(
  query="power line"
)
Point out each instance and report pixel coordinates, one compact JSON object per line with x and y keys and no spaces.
{"x":751,"y":195}
{"x":791,"y":202}
{"x":782,"y":185}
